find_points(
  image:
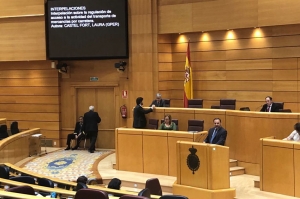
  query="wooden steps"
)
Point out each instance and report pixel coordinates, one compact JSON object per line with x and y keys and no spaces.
{"x":257,"y":184}
{"x":233,"y":163}
{"x":235,"y":169}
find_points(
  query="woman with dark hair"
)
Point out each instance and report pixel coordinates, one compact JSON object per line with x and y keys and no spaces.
{"x":294,"y":136}
{"x":115,"y":183}
{"x":167,"y":124}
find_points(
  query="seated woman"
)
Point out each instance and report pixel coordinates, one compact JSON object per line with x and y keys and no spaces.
{"x":168,"y":124}
{"x":294,"y":136}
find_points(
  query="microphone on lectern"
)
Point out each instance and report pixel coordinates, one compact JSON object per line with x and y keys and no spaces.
{"x":258,"y":107}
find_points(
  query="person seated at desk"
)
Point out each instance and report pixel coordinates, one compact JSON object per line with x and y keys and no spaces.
{"x":269,"y":106}
{"x":115,"y":183}
{"x":294,"y":136}
{"x":217,"y":134}
{"x":82,"y":179}
{"x":158,"y":102}
{"x":168,"y":124}
{"x":78,"y":134}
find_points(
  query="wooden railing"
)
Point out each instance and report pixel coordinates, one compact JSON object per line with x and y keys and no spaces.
{"x":16,"y":147}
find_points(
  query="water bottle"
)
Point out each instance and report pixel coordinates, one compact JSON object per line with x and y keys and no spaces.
{"x":53,"y":194}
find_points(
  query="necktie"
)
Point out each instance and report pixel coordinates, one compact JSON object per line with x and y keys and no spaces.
{"x":268,"y":109}
{"x":213,"y":135}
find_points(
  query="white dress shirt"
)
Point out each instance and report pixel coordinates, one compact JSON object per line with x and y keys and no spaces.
{"x":293,"y":136}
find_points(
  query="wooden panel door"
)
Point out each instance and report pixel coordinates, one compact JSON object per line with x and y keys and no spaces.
{"x":104,"y":101}
{"x":85,"y":97}
{"x":105,"y":106}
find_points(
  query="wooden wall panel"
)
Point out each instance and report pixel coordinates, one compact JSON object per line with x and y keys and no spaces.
{"x":15,"y":8}
{"x":29,"y":94}
{"x":268,"y":12}
{"x":216,"y":15}
{"x":29,"y":99}
{"x":251,"y":65}
{"x":22,"y":39}
{"x":30,"y":108}
{"x":29,"y":91}
{"x":288,"y":63}
{"x":173,"y":13}
{"x":36,"y":82}
{"x":50,"y":117}
{"x":197,"y":15}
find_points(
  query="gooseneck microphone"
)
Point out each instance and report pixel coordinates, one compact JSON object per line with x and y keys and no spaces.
{"x":259,"y":107}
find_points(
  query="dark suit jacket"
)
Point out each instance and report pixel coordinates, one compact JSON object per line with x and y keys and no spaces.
{"x":78,"y":128}
{"x":274,"y":108}
{"x":90,"y":121}
{"x":139,"y":118}
{"x":220,"y":137}
{"x":161,"y":103}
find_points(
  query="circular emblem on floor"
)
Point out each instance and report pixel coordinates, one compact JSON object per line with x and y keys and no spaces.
{"x":60,"y":163}
{"x":193,"y":160}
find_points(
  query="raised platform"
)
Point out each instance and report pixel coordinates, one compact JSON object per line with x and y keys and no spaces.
{"x":132,"y":181}
{"x":235,"y":169}
{"x":242,"y":183}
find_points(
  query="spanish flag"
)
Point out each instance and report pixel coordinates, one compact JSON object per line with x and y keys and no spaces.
{"x":188,"y":81}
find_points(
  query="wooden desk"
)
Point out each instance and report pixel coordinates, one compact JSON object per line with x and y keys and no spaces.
{"x":280,"y":161}
{"x":149,"y":151}
{"x":244,"y":128}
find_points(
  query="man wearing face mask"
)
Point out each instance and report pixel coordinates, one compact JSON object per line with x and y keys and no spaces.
{"x":139,"y":118}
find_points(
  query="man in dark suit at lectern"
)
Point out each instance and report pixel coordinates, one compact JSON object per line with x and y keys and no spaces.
{"x":217,"y":134}
{"x":269,"y":106}
{"x":91,"y":120}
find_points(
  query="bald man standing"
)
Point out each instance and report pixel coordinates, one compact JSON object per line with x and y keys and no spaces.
{"x":91,"y":120}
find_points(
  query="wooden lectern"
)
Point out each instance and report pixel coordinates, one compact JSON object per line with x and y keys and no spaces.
{"x":203,"y":171}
